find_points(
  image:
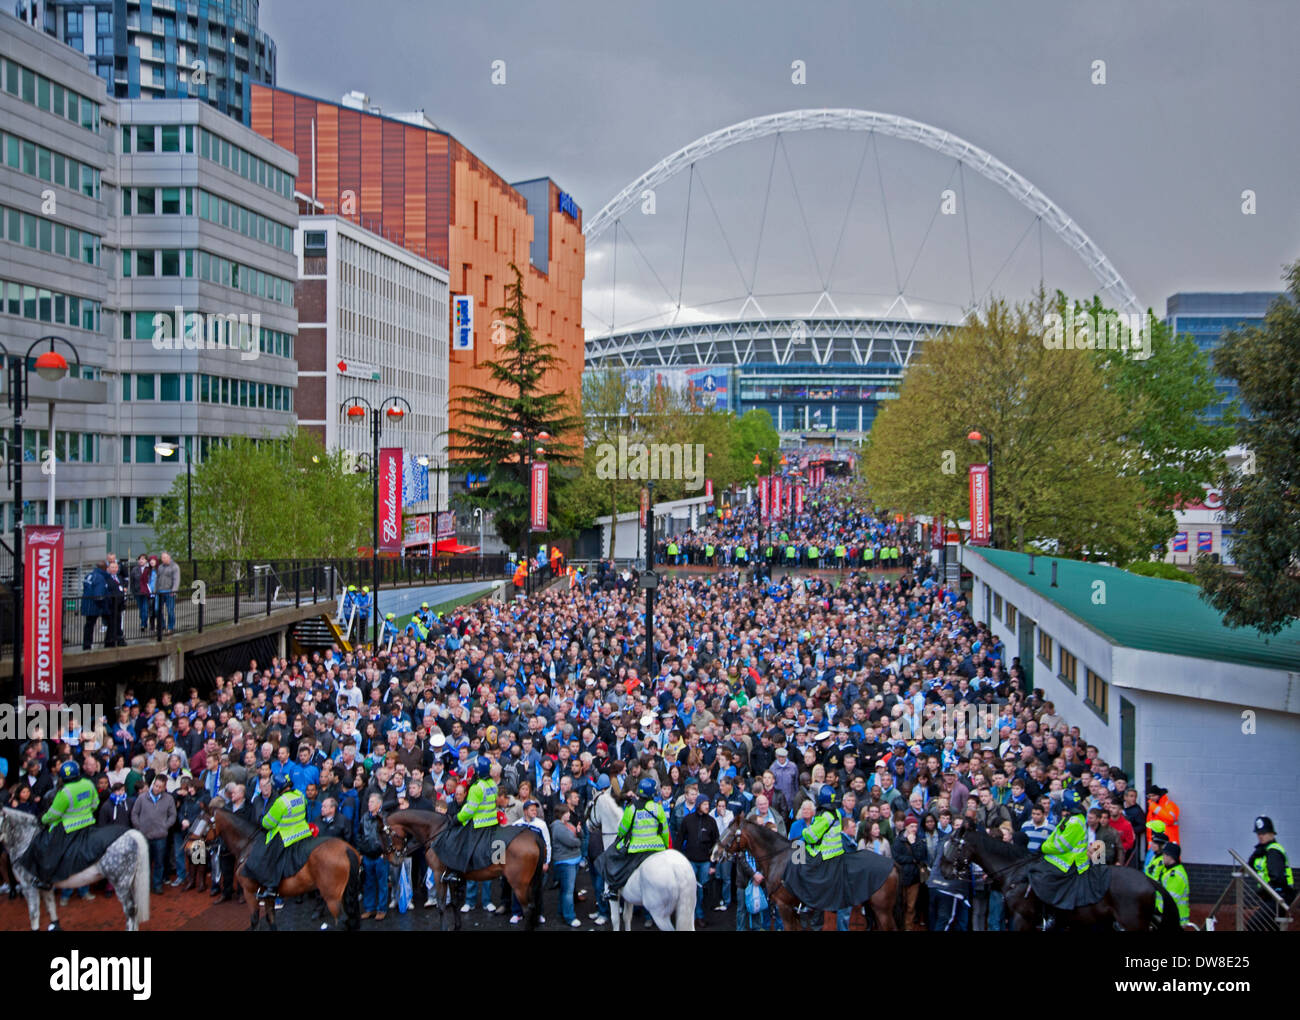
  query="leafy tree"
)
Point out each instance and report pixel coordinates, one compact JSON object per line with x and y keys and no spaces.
{"x":269,"y":498}
{"x":529,"y":397}
{"x":1261,"y":502}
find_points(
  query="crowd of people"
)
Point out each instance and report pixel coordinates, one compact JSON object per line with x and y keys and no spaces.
{"x":768,"y":696}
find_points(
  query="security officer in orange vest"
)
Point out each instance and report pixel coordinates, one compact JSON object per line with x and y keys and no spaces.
{"x":1160,"y":807}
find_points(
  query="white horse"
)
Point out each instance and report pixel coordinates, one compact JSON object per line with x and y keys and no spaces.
{"x":125,"y":863}
{"x":664,"y":885}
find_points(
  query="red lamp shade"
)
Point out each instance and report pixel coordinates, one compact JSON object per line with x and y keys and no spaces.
{"x":516,"y":435}
{"x":543,"y":435}
{"x":51,"y":366}
{"x":395,"y":412}
{"x":356,"y":411}
{"x":974,"y":436}
{"x":757,"y":462}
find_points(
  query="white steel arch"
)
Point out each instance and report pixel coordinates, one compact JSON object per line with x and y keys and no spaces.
{"x":944,"y":142}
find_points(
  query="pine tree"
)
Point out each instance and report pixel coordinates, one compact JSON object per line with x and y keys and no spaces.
{"x":528,"y":397}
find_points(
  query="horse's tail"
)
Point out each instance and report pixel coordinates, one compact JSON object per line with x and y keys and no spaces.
{"x":352,"y":892}
{"x":684,"y":916}
{"x":1169,"y":917}
{"x":140,"y":885}
{"x":535,"y":886}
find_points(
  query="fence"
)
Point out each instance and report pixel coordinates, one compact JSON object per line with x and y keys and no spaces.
{"x":1248,"y":904}
{"x":213,"y":592}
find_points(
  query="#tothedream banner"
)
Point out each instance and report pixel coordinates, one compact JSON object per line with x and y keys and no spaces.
{"x":979,"y":503}
{"x":390,"y":499}
{"x":541,"y":497}
{"x":43,"y":615}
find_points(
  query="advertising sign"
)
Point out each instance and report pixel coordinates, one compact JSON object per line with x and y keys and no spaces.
{"x":390,"y":499}
{"x":540,"y":498}
{"x":979,"y":504}
{"x":462,"y":322}
{"x":43,"y":615}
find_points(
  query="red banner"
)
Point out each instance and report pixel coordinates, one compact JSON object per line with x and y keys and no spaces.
{"x":979,"y":504}
{"x":762,"y":498}
{"x":43,"y":615}
{"x":390,"y":499}
{"x":541,"y":496}
{"x":645,"y":505}
{"x":798,"y":499}
{"x":708,"y":488}
{"x":776,"y":496}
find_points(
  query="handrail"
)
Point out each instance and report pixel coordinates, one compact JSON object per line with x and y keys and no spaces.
{"x":1264,"y":886}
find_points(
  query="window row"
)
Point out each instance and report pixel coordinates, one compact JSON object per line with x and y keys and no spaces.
{"x":38,"y":161}
{"x":69,"y":447}
{"x":244,"y":163}
{"x":157,"y":262}
{"x":216,"y":269}
{"x":141,"y":449}
{"x":45,"y":235}
{"x":213,"y":208}
{"x":50,"y":96}
{"x":48,"y":306}
{"x":70,"y":513}
{"x":222,"y":334}
{"x":211,"y":389}
{"x":146,"y":138}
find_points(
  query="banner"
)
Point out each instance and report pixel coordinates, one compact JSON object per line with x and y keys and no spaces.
{"x":1204,"y":541}
{"x":1180,"y":541}
{"x":708,"y":488}
{"x":390,"y":499}
{"x":446,"y":525}
{"x":415,"y":480}
{"x":462,"y":324}
{"x":762,"y":499}
{"x":776,"y":496}
{"x":43,"y":615}
{"x":798,"y":498}
{"x":979,"y":504}
{"x":416,"y":530}
{"x":645,"y":505}
{"x":538,"y":512}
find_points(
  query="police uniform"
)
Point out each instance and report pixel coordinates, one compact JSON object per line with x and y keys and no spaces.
{"x":286,"y":825}
{"x":69,"y":820}
{"x":824,"y":836}
{"x":642,"y":830}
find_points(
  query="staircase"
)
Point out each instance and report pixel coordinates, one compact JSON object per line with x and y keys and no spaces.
{"x":318,"y":632}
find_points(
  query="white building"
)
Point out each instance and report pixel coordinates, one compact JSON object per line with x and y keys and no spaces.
{"x":1152,"y":676}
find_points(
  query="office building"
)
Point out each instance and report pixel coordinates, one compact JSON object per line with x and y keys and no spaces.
{"x":1207,"y":316}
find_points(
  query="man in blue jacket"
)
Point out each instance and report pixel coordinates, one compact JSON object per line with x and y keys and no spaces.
{"x":94,"y":603}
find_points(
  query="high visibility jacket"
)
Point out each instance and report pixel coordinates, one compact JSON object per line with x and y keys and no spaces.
{"x":521,"y":575}
{"x":708,"y":549}
{"x":480,"y":805}
{"x":841,"y":551}
{"x":790,"y":552}
{"x":1165,"y":810}
{"x":742,"y":553}
{"x":1175,"y":882}
{"x":73,"y":806}
{"x":417,"y":629}
{"x":824,"y":837}
{"x":1259,"y":861}
{"x":389,"y":629}
{"x":672,"y":548}
{"x":768,"y":552}
{"x":647,"y":825}
{"x":1068,"y":844}
{"x":1155,"y":868}
{"x":813,"y":552}
{"x":868,"y":554}
{"x":363,"y":604}
{"x":287,"y":818}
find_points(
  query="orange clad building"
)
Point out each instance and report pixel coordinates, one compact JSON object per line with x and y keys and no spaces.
{"x":401,"y":177}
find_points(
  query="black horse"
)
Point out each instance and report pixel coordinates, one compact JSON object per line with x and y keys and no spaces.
{"x":1130,"y":903}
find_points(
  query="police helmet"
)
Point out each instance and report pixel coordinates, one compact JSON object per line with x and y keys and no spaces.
{"x":481,"y":768}
{"x":69,"y":771}
{"x":1173,"y":850}
{"x":646,"y":788}
{"x":1071,"y":803}
{"x":282,"y":782}
{"x":1264,"y":824}
{"x":825,"y":796}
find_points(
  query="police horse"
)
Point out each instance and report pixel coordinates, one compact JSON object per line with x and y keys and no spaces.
{"x":1132,"y":901}
{"x":125,"y":864}
{"x":664,"y":884}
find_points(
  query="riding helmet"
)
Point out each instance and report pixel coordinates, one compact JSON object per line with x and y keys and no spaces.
{"x":69,"y":771}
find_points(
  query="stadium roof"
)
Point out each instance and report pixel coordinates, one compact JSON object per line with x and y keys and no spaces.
{"x":1149,"y":613}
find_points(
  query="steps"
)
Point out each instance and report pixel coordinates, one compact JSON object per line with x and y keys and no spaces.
{"x":318,"y":632}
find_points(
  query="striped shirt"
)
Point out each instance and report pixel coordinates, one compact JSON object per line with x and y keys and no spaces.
{"x":1036,"y":833}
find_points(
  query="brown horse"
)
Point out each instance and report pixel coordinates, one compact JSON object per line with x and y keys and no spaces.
{"x":333,"y":869}
{"x":772,"y":853}
{"x":522,"y":864}
{"x":1132,"y":903}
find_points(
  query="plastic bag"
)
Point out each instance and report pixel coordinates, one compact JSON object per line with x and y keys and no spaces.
{"x":404,"y":887}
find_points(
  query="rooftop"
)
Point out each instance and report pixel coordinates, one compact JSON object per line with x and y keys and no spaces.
{"x":1149,"y":613}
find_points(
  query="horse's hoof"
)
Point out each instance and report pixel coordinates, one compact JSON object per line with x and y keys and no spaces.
{"x":54,"y":926}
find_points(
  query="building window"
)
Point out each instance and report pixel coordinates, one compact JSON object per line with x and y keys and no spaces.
{"x":1069,"y":674}
{"x":1044,"y":647}
{"x":997,"y":606}
{"x":1011,"y":618}
{"x":1098,"y":693}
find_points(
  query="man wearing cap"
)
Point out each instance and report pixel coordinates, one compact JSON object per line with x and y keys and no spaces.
{"x":1269,"y":861}
{"x":1153,"y":867}
{"x":1161,"y":808}
{"x":786,"y":774}
{"x":1174,"y":879}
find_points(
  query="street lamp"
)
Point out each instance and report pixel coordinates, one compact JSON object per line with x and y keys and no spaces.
{"x":482,"y":517}
{"x":52,"y":367}
{"x":166,"y":450}
{"x":394,"y":409}
{"x":527,"y":440}
{"x":975,"y":436}
{"x":767,"y":524}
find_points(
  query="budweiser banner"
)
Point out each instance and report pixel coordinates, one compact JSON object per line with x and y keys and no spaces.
{"x":540,"y":498}
{"x":776,"y":496}
{"x":390,"y":499}
{"x":43,"y":615}
{"x":979,"y":504}
{"x":798,"y":499}
{"x":762,"y":498}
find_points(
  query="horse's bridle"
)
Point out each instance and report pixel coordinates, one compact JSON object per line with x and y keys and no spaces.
{"x":409,"y":846}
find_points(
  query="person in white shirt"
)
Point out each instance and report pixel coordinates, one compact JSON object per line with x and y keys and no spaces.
{"x":531,"y":820}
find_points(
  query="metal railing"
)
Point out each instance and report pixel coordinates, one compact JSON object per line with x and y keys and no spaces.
{"x":1249,"y":904}
{"x":216,"y":592}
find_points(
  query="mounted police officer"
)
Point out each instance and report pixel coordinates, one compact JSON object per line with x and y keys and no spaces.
{"x":285,"y":823}
{"x":823,"y":838}
{"x":643,"y":830}
{"x":475,"y":821}
{"x":70,"y":819}
{"x":1055,"y":879}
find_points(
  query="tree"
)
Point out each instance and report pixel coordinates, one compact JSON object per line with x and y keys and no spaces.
{"x":1261,"y":502}
{"x":529,"y":397}
{"x":269,"y":498}
{"x":1065,"y":465}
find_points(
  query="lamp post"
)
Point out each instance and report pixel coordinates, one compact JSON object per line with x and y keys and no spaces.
{"x":975,"y":436}
{"x":478,"y":512}
{"x":166,"y":450}
{"x":356,"y":409}
{"x":52,"y":367}
{"x":527,"y":439}
{"x":649,"y":581}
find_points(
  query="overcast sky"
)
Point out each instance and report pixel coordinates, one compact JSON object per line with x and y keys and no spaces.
{"x":1199,"y":105}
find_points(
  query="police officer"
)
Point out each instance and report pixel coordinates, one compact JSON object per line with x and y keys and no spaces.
{"x":1175,"y":881}
{"x":417,"y":627}
{"x":642,"y":830}
{"x":1270,"y":862}
{"x":389,"y":630}
{"x":1155,"y":862}
{"x":285,"y":823}
{"x":425,"y":615}
{"x":823,"y":838}
{"x":71,"y":815}
{"x":1066,"y":849}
